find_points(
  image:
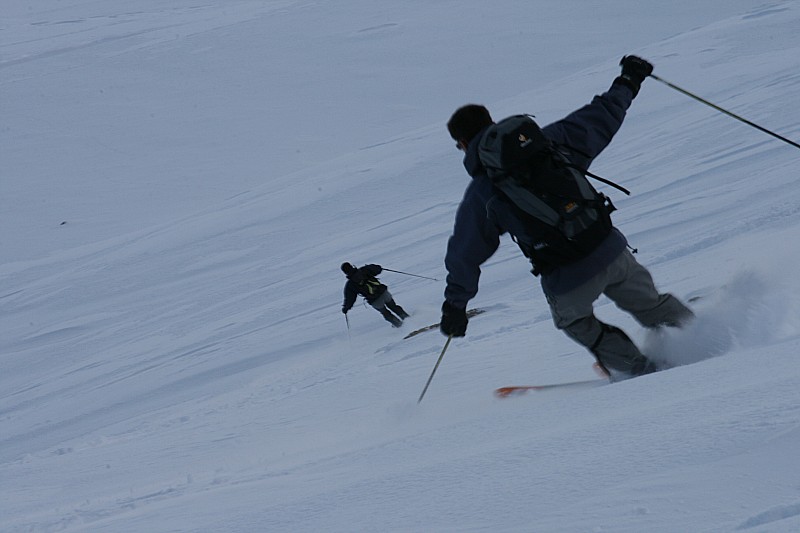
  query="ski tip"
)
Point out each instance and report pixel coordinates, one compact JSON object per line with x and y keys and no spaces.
{"x":505,"y":392}
{"x":602,"y":372}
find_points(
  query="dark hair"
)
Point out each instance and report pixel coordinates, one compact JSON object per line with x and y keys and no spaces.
{"x":348,"y":269}
{"x":468,"y":121}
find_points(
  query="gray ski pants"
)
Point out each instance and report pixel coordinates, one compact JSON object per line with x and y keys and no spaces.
{"x":385,"y":304}
{"x":380,"y":302}
{"x":630,"y":286}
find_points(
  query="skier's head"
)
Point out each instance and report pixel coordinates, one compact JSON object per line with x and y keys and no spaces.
{"x":467,"y":122}
{"x":348,"y":269}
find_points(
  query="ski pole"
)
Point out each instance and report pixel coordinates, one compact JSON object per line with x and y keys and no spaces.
{"x":407,"y":274}
{"x":449,"y":338}
{"x":737,"y":117}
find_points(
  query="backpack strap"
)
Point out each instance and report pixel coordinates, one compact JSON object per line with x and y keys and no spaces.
{"x":598,"y":178}
{"x":566,"y":162}
{"x":529,"y":202}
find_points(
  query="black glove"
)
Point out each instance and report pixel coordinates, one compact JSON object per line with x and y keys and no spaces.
{"x":634,"y":71}
{"x":345,"y":310}
{"x":454,"y":320}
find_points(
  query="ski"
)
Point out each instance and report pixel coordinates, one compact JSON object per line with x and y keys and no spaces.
{"x":471,"y":313}
{"x":516,"y":390}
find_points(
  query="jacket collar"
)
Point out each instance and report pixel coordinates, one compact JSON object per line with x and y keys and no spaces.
{"x":471,"y":160}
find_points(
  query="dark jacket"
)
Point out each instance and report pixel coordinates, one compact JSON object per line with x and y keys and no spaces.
{"x":484,"y":214}
{"x":363,"y":282}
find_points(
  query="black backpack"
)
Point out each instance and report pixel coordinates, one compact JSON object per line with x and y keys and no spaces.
{"x":568,"y":217}
{"x":368,"y":286}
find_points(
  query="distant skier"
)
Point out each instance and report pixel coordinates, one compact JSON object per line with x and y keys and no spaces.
{"x":362,"y":281}
{"x":575,"y":269}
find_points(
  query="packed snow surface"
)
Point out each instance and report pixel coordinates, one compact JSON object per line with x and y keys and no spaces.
{"x":180,"y":181}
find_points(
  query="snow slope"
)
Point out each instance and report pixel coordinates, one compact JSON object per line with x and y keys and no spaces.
{"x":180,"y":184}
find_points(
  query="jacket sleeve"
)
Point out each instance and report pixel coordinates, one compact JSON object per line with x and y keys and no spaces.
{"x":475,"y":238}
{"x":372,"y":270}
{"x":350,"y":296}
{"x":588,"y":130}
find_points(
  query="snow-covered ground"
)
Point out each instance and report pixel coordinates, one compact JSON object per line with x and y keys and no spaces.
{"x":179,"y":185}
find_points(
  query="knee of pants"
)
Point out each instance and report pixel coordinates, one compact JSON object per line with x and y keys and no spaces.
{"x":585,"y":331}
{"x":571,"y":309}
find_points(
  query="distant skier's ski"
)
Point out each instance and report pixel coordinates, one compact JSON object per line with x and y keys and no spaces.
{"x":471,"y":313}
{"x":516,"y":390}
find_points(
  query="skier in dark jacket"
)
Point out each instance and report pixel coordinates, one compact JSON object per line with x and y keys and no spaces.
{"x":571,"y":289}
{"x":362,"y":281}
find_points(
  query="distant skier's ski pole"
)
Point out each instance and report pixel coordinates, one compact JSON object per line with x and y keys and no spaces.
{"x":347,"y":321}
{"x":407,"y":274}
{"x":449,"y":338}
{"x":737,"y":117}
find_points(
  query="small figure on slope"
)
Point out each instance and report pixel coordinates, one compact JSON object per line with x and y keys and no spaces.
{"x":362,"y":281}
